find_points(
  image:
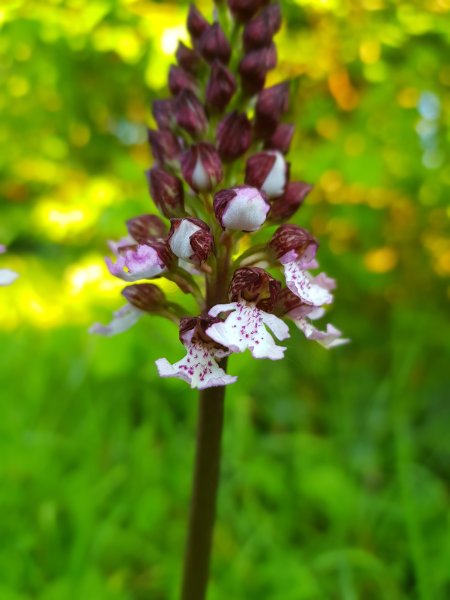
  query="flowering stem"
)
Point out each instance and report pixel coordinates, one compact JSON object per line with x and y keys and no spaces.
{"x":204,"y":493}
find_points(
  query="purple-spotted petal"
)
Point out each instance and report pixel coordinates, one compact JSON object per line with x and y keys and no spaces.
{"x":246,"y":327}
{"x":330,"y":338}
{"x":123,"y":319}
{"x":309,"y":289}
{"x":141,"y":262}
{"x":199,"y":367}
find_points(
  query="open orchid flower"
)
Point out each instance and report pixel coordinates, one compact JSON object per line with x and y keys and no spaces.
{"x":199,"y":367}
{"x":246,"y":326}
{"x":220,"y":177}
{"x":6,"y":275}
{"x":296,"y":250}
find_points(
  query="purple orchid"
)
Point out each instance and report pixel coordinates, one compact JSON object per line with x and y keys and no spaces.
{"x":220,"y":175}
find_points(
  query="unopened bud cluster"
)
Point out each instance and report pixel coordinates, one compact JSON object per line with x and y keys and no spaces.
{"x":220,"y":173}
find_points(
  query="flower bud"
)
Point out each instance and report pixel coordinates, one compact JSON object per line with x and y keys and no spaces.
{"x":213,"y":44}
{"x":267,"y":171}
{"x":259,"y":31}
{"x":165,"y":145}
{"x":166,"y":191}
{"x":233,"y":136}
{"x":201,"y":167}
{"x":190,"y":114}
{"x":272,"y":103}
{"x":145,"y":228}
{"x":281,"y":138}
{"x":145,"y":296}
{"x":196,"y":22}
{"x":287,"y":205}
{"x":254,"y":67}
{"x":163,"y":113}
{"x":187,"y":58}
{"x":243,"y":10}
{"x":180,"y":80}
{"x":193,"y":329}
{"x":221,"y":86}
{"x":254,"y":285}
{"x":290,"y":243}
{"x":190,"y":239}
{"x":242,"y":208}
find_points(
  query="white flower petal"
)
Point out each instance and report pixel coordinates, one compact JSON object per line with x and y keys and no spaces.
{"x":180,"y":242}
{"x":123,"y":319}
{"x":200,"y":177}
{"x":199,"y":367}
{"x":247,"y":211}
{"x":245,"y":328}
{"x":308,"y":288}
{"x":328,"y":339}
{"x":275,"y":182}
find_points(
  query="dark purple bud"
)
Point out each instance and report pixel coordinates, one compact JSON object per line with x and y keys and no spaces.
{"x":259,"y":31}
{"x":286,"y":302}
{"x":243,"y":10}
{"x":287,"y":205}
{"x":188,"y":58}
{"x":254,"y":285}
{"x":241,"y":208}
{"x":145,"y":296}
{"x":267,"y":171}
{"x":293,"y":241}
{"x":190,"y":114}
{"x":254,"y":67}
{"x":281,"y":138}
{"x":193,"y":329}
{"x":233,"y":136}
{"x":163,"y":113}
{"x":166,"y":191}
{"x":165,"y":145}
{"x":145,"y":228}
{"x":190,"y":239}
{"x":196,"y":22}
{"x":201,"y":167}
{"x":272,"y":103}
{"x":213,"y":44}
{"x":221,"y":87}
{"x":180,"y":80}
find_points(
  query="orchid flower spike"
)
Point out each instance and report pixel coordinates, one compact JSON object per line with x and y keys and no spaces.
{"x":220,"y":179}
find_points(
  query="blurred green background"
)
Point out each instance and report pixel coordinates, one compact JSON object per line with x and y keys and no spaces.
{"x":335,"y":481}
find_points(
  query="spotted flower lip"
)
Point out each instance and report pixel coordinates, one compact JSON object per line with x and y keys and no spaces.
{"x":315,"y":291}
{"x":242,"y":208}
{"x":302,"y":315}
{"x":199,"y":367}
{"x":143,"y":261}
{"x":245,"y":328}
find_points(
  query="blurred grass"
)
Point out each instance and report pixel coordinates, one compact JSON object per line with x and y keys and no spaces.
{"x":336,"y":465}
